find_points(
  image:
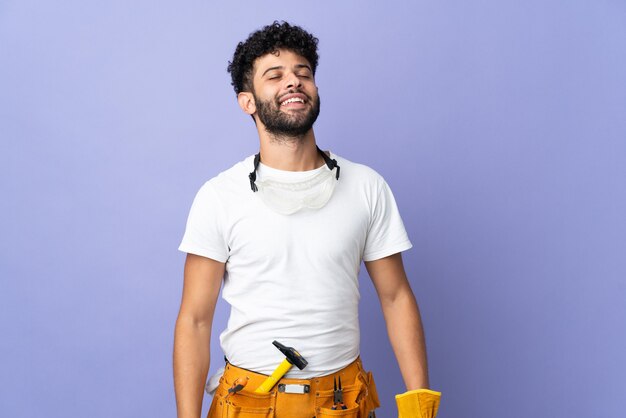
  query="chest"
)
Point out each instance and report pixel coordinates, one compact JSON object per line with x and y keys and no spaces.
{"x":334,"y":234}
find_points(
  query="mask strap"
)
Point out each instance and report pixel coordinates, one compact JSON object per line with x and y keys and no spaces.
{"x":330,"y":163}
{"x":252,"y":176}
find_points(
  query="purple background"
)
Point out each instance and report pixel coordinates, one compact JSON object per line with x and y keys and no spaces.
{"x":501,"y":127}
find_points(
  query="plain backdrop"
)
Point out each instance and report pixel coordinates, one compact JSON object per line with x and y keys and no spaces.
{"x":500,"y":126}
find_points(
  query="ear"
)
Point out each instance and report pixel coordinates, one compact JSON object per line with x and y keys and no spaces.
{"x":246,"y":102}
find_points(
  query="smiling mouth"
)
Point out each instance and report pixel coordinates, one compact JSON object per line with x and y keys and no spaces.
{"x":292,"y":100}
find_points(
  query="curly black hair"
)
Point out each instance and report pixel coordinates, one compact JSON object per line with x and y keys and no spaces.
{"x":268,"y":40}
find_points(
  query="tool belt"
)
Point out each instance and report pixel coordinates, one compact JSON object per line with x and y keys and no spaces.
{"x":296,"y":398}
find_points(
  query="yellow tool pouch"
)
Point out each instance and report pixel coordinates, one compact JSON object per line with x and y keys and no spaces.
{"x":359,"y":398}
{"x":244,"y":404}
{"x":295,"y":398}
{"x":419,"y":403}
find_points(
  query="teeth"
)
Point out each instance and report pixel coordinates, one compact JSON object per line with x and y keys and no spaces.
{"x":292,"y":100}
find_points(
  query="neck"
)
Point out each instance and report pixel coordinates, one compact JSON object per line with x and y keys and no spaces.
{"x":290,"y":153}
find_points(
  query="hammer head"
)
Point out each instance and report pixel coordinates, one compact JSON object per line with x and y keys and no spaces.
{"x":292,"y":355}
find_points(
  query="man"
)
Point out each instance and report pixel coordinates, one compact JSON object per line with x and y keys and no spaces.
{"x":285,"y":232}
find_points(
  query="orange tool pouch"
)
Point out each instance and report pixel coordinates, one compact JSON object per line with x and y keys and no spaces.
{"x":296,"y":398}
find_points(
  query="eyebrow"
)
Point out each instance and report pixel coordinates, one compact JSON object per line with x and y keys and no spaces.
{"x":280,"y":67}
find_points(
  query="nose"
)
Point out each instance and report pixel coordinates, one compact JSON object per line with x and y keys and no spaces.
{"x":293,"y":81}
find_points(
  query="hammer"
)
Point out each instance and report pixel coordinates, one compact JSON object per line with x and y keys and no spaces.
{"x":292,"y":357}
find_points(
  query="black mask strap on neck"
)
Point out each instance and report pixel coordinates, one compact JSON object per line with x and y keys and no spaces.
{"x":330,"y":163}
{"x":252,"y":176}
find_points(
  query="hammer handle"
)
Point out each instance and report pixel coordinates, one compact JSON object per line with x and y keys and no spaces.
{"x":269,"y":383}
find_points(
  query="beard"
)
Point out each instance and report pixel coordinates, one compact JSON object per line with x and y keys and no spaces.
{"x":287,"y":124}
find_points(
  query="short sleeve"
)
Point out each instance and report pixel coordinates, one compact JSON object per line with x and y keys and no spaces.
{"x":386,"y":233}
{"x":204,"y":232}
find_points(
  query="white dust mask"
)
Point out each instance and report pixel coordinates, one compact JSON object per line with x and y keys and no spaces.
{"x":288,"y":197}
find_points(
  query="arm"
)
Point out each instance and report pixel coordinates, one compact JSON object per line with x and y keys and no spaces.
{"x":402,"y":317}
{"x":192,"y":337}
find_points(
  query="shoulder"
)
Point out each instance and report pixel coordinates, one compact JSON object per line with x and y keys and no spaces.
{"x":230,"y":186}
{"x":231,"y":179}
{"x":358,"y":173}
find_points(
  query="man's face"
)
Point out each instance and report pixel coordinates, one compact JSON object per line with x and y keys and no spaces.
{"x":284,"y":90}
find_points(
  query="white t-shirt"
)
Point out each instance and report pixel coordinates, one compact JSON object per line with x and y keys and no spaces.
{"x":293,"y":278}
